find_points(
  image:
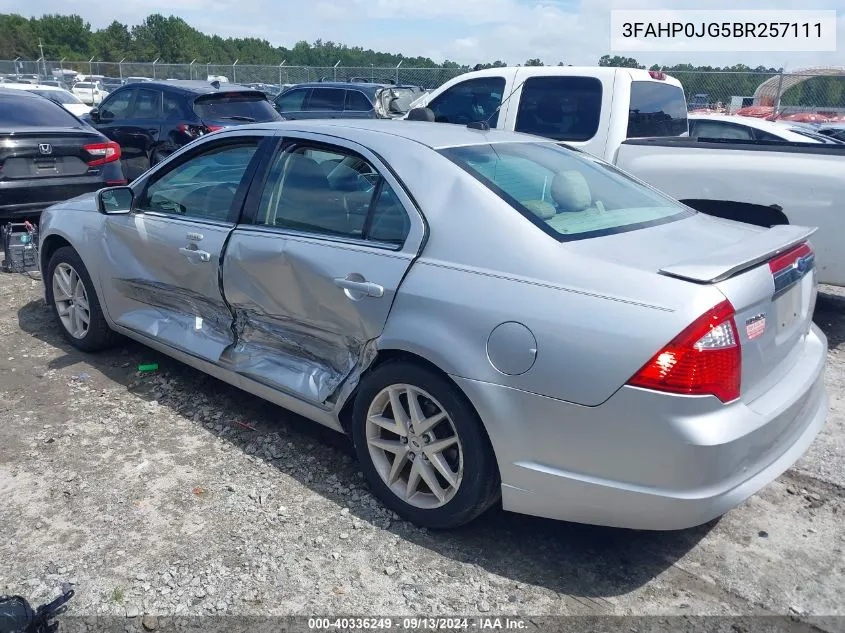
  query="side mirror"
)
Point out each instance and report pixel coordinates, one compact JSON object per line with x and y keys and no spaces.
{"x":115,"y":200}
{"x":94,"y":114}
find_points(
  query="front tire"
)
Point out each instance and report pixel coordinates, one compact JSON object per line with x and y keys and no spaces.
{"x":74,"y":302}
{"x":422,"y":448}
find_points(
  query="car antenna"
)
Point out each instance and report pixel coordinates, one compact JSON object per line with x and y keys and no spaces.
{"x":485,"y":124}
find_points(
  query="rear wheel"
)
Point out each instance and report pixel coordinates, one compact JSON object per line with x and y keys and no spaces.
{"x":422,"y":448}
{"x":76,"y":308}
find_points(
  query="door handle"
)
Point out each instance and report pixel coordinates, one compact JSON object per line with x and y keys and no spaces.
{"x":194,"y":255}
{"x":366,"y":287}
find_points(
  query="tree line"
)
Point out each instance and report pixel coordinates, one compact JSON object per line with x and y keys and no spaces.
{"x":173,"y":40}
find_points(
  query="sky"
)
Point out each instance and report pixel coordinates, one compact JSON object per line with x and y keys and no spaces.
{"x":466,"y":31}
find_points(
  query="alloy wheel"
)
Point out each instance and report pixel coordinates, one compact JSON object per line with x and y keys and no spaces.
{"x":414,"y":446}
{"x":71,"y":300}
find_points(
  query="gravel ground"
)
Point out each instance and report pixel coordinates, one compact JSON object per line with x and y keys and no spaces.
{"x":171,"y":493}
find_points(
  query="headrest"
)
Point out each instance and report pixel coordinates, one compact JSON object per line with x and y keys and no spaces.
{"x":571,"y":192}
{"x":421,"y":114}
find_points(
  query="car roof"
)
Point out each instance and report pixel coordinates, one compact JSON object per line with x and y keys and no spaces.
{"x":775,"y":127}
{"x":351,"y":85}
{"x":195,"y":86}
{"x":433,"y":135}
{"x":33,"y":87}
{"x":18,"y":94}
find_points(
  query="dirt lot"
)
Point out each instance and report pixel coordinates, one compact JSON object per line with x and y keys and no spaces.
{"x":171,"y":493}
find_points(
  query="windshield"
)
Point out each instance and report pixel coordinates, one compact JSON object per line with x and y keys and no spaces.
{"x":820,"y":138}
{"x":569,"y":194}
{"x":246,"y":108}
{"x":59,"y":96}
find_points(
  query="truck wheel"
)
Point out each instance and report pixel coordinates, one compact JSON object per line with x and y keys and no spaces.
{"x":74,"y":302}
{"x":422,"y":447}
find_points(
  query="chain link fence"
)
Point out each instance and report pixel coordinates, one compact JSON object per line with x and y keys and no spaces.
{"x":814,"y":90}
{"x":427,"y":78}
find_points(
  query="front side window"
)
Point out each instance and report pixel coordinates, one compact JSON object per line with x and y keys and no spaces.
{"x":562,"y":108}
{"x":117,"y":106}
{"x":470,"y":101}
{"x":656,"y":109}
{"x":204,"y":186}
{"x":570,"y":195}
{"x":326,"y":99}
{"x":332,"y":192}
{"x":292,"y":100}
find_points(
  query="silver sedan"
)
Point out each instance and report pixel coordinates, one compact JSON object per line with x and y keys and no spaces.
{"x":492,"y":317}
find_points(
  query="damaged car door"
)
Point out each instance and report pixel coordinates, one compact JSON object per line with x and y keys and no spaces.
{"x":312,"y":271}
{"x":163,"y":259}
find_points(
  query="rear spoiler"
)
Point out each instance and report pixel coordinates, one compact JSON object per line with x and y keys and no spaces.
{"x":736,"y":258}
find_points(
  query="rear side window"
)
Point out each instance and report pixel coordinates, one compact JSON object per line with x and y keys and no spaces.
{"x":562,"y":108}
{"x":233,"y":106}
{"x":720,"y":130}
{"x":34,"y":112}
{"x":657,"y":109}
{"x":470,"y":101}
{"x":146,"y":104}
{"x":356,"y":101}
{"x":570,"y":195}
{"x":326,"y":99}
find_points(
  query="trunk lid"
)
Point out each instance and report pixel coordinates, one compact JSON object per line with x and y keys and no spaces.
{"x":37,"y":153}
{"x":768,"y":275}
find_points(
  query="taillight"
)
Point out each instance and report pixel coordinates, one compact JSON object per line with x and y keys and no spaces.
{"x":214,"y":128}
{"x":704,"y":359}
{"x":657,"y":74}
{"x":789,"y":258}
{"x":103,"y":153}
{"x":195,"y":131}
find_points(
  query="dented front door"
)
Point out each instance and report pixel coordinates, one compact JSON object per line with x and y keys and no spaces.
{"x":162,"y":261}
{"x":312,"y":275}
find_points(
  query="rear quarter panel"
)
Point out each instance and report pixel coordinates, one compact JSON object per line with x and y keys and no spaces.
{"x":807,"y":186}
{"x":587,"y":344}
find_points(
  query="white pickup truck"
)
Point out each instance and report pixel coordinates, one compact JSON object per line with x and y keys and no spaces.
{"x":637,"y":120}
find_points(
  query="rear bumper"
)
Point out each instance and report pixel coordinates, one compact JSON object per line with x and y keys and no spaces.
{"x":647,"y":460}
{"x":25,"y":198}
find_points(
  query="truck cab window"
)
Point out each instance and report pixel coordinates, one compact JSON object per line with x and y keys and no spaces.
{"x":562,"y":108}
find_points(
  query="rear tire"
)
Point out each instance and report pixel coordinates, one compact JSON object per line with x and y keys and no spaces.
{"x":74,"y":302}
{"x":432,"y":464}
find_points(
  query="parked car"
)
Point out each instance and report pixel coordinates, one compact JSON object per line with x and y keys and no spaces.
{"x":58,"y":95}
{"x":728,"y":127}
{"x":272,"y":91}
{"x":55,"y":83}
{"x":608,"y":112}
{"x":91,"y":93}
{"x":153,"y":119}
{"x":347,"y":100}
{"x":313,"y":263}
{"x":132,"y":80}
{"x":112,"y":83}
{"x":47,"y":155}
{"x":835,"y":131}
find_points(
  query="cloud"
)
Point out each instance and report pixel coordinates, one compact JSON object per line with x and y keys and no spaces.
{"x":468,"y":31}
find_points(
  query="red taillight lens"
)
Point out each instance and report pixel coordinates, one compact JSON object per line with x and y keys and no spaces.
{"x":214,"y":128}
{"x":103,"y":153}
{"x":787,"y":259}
{"x":657,"y":74}
{"x":704,"y":359}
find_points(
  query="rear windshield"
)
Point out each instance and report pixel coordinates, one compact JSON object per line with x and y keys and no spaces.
{"x":84,"y":86}
{"x":657,"y":109}
{"x":570,"y":195}
{"x":247,"y":108}
{"x":33,"y":112}
{"x":59,"y":96}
